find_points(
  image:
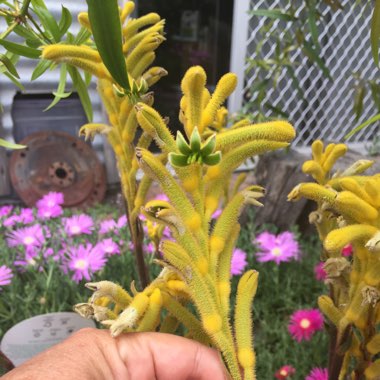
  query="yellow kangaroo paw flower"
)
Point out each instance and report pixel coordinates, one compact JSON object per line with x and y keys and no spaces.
{"x":351,"y":206}
{"x":96,"y":69}
{"x":151,"y":318}
{"x":314,"y":169}
{"x":134,"y":25}
{"x":130,"y":316}
{"x":372,"y":189}
{"x":169,"y":325}
{"x":108,"y":289}
{"x":220,"y":119}
{"x":373,"y":346}
{"x":357,"y":167}
{"x":223,"y":90}
{"x":239,"y":181}
{"x":372,"y":372}
{"x":90,"y":130}
{"x":192,"y":86}
{"x":57,"y":52}
{"x":128,"y":8}
{"x":317,"y":150}
{"x":339,"y":238}
{"x":280,"y":131}
{"x":84,"y":20}
{"x":243,"y":321}
{"x":350,"y":184}
{"x":186,"y":318}
{"x":153,"y":75}
{"x":327,"y":152}
{"x":241,"y":123}
{"x":328,"y":308}
{"x":312,"y":191}
{"x":153,"y":124}
{"x":146,"y":60}
{"x":338,"y":151}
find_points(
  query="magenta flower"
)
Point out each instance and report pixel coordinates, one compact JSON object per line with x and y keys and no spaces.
{"x":83,"y":261}
{"x":5,"y":275}
{"x":216,"y":213}
{"x":5,"y":210}
{"x":282,"y":247}
{"x":122,"y":221}
{"x":78,"y":225}
{"x":149,"y":248}
{"x":11,"y":221}
{"x":318,"y":374}
{"x":50,"y":200}
{"x":238,"y":261}
{"x":107,"y":226}
{"x":319,"y":271}
{"x":304,"y":323}
{"x":285,"y":372}
{"x":108,"y":247}
{"x":32,"y":236}
{"x":26,"y":216}
{"x":49,"y":206}
{"x":29,"y":259}
{"x":347,"y":250}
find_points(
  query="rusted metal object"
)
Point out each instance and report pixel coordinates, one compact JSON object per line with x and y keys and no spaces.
{"x":57,"y":161}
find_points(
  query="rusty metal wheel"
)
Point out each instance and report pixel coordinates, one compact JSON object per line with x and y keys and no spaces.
{"x":56,"y":161}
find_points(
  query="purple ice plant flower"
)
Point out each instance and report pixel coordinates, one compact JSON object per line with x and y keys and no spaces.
{"x":107,"y":226}
{"x":28,"y":259}
{"x":238,"y":261}
{"x":277,"y":248}
{"x":5,"y":211}
{"x":26,"y":216}
{"x":11,"y":221}
{"x":216,"y":213}
{"x":108,"y":247}
{"x":78,"y":225}
{"x":28,"y":237}
{"x":5,"y":275}
{"x":49,"y":206}
{"x":122,"y":221}
{"x":83,"y":261}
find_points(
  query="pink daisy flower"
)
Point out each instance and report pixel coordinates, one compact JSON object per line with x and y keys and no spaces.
{"x":319,"y":271}
{"x":32,"y":236}
{"x":216,"y":213}
{"x":26,"y":216}
{"x":108,"y":247}
{"x":5,"y":275}
{"x":318,"y":374}
{"x":11,"y":221}
{"x":347,"y":250}
{"x":50,"y":200}
{"x":122,"y":221}
{"x":285,"y":372}
{"x":83,"y":261}
{"x":78,"y":225}
{"x":149,"y":248}
{"x":238,"y":261}
{"x":107,"y":226}
{"x":49,"y":212}
{"x":29,"y":259}
{"x":304,"y":323}
{"x":5,"y":210}
{"x":282,"y":247}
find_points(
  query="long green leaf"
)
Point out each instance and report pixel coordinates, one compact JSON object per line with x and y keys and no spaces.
{"x":65,"y":22}
{"x":81,"y":88}
{"x":14,"y":80}
{"x":60,"y":93}
{"x":375,"y":92}
{"x":23,"y":50}
{"x":106,"y":29}
{"x":48,"y":22}
{"x":9,"y":145}
{"x":83,"y":35}
{"x":40,"y":68}
{"x":277,"y":14}
{"x":375,"y":32}
{"x":314,"y":57}
{"x":358,"y":100}
{"x":9,"y":65}
{"x":312,"y":20}
{"x":363,"y":125}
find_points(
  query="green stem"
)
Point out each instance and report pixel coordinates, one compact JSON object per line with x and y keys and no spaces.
{"x":24,"y":8}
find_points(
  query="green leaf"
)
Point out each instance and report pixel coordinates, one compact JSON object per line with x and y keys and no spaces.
{"x":24,"y":32}
{"x":39,"y":4}
{"x":106,"y":29}
{"x":358,"y":100}
{"x":60,"y":93}
{"x":14,"y":80}
{"x":41,"y":67}
{"x":277,"y":110}
{"x":375,"y":32}
{"x":65,"y":22}
{"x":81,"y":88}
{"x":314,"y":57}
{"x":83,"y":35}
{"x":9,"y":65}
{"x":372,"y":120}
{"x":87,"y":78}
{"x":312,"y":20}
{"x":375,"y":92}
{"x":48,"y":22}
{"x":9,"y":145}
{"x":18,"y":49}
{"x":277,"y":14}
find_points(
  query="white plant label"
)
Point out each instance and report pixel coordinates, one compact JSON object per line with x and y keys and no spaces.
{"x":33,"y":335}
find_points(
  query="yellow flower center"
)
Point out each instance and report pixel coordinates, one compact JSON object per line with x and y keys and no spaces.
{"x":305,"y":323}
{"x":284,"y":372}
{"x":29,"y":240}
{"x":81,"y":264}
{"x":276,"y":252}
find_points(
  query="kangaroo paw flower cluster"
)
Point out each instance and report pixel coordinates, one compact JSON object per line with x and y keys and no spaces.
{"x":347,"y":215}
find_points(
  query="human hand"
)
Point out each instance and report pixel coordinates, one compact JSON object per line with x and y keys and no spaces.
{"x":92,"y":354}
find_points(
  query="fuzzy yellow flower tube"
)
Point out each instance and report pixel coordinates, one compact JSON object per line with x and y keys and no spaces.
{"x":347,"y":214}
{"x":197,"y":264}
{"x":120,"y":91}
